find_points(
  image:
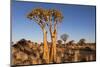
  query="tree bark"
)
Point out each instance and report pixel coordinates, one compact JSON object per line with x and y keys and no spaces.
{"x":55,"y":38}
{"x":53,"y":47}
{"x":45,"y":47}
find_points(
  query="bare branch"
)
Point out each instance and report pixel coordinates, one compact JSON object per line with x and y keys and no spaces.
{"x":37,"y":21}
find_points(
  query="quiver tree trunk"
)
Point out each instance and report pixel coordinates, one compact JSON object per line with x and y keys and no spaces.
{"x":45,"y":47}
{"x":55,"y":38}
{"x":53,"y":47}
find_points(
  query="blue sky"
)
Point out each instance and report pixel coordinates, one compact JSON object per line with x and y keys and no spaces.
{"x":78,"y":21}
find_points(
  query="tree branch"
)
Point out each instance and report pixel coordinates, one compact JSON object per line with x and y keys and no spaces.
{"x":37,"y":21}
{"x":55,"y":26}
{"x":50,"y":25}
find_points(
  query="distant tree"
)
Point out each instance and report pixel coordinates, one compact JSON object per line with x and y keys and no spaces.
{"x":64,"y":37}
{"x":71,"y":42}
{"x":59,"y":42}
{"x":82,"y":41}
{"x":36,"y":43}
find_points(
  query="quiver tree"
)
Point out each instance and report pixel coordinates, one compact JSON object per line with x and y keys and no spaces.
{"x":59,"y":42}
{"x":54,"y":18}
{"x":49,"y":18}
{"x":71,"y":42}
{"x":81,"y":41}
{"x":64,"y":37}
{"x":39,"y":16}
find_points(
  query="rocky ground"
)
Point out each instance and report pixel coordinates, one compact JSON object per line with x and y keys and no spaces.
{"x":26,"y":52}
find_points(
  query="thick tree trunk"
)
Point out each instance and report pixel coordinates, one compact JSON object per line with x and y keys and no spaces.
{"x":51,"y":50}
{"x":45,"y":47}
{"x":53,"y":47}
{"x":55,"y":38}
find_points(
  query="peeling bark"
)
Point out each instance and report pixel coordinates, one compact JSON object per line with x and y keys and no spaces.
{"x":53,"y":47}
{"x":45,"y":47}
